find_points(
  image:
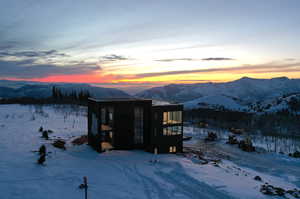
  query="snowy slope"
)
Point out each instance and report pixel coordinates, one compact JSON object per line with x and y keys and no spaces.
{"x":278,"y":104}
{"x":115,"y":174}
{"x":243,"y":92}
{"x":10,"y":89}
{"x":214,"y":101}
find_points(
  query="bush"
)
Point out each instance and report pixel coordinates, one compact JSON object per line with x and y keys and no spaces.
{"x":211,"y":137}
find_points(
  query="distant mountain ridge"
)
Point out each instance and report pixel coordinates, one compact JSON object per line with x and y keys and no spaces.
{"x":242,"y":94}
{"x":17,"y":89}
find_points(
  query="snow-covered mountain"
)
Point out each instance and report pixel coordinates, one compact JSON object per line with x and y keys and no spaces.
{"x":242,"y":94}
{"x":10,"y":89}
{"x":216,"y":102}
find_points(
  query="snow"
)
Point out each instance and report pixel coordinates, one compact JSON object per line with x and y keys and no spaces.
{"x":117,"y":174}
{"x":214,"y":100}
{"x":159,"y":103}
{"x":241,"y":94}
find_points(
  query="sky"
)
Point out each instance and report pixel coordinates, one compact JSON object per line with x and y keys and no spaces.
{"x":137,"y":44}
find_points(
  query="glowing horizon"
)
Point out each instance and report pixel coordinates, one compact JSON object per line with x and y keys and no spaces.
{"x":114,"y":46}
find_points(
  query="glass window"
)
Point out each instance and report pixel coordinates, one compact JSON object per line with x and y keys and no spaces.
{"x":138,"y":125}
{"x":172,"y":149}
{"x":172,"y":130}
{"x":165,"y":131}
{"x":103,"y":116}
{"x":155,"y":150}
{"x":173,"y":117}
{"x":169,"y":118}
{"x":165,"y":118}
{"x":110,"y":115}
{"x":180,"y":116}
{"x":94,"y":127}
{"x":179,"y":130}
{"x":107,"y":115}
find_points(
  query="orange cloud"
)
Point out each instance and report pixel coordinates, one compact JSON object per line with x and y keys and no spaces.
{"x":78,"y":78}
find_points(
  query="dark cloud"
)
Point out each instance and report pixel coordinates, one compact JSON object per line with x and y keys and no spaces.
{"x":20,"y":69}
{"x":113,"y":58}
{"x":32,"y":54}
{"x":259,"y":68}
{"x":217,"y":59}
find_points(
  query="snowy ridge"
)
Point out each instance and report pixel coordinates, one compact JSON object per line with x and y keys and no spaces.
{"x":12,"y":89}
{"x":241,"y":94}
{"x":215,"y":101}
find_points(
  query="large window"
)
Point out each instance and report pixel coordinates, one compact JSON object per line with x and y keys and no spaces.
{"x":138,"y":125}
{"x":94,"y":126}
{"x":172,"y":117}
{"x":172,"y":149}
{"x":172,"y":130}
{"x":107,"y":118}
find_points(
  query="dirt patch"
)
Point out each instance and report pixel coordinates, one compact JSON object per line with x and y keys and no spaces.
{"x":80,"y":140}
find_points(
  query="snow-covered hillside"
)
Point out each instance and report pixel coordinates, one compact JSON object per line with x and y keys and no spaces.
{"x":239,"y":94}
{"x":11,"y":89}
{"x":120,"y":174}
{"x":287,"y":102}
{"x":216,"y":102}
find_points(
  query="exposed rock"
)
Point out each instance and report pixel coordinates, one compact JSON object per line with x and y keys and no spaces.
{"x":246,"y":145}
{"x":236,"y":131}
{"x":80,"y":140}
{"x":278,"y":191}
{"x":232,"y":140}
{"x":211,"y":137}
{"x":295,"y":193}
{"x":59,"y":144}
{"x":49,"y":131}
{"x":258,"y":178}
{"x":296,"y":154}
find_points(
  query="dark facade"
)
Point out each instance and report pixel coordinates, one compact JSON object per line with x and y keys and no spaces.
{"x":134,"y":124}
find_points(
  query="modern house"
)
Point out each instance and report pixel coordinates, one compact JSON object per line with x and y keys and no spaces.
{"x":134,"y":124}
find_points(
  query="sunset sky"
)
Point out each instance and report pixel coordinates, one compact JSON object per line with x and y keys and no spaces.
{"x":144,"y":43}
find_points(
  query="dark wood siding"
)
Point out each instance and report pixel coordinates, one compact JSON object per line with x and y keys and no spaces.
{"x":123,"y":125}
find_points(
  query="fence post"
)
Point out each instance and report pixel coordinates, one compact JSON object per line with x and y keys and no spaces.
{"x":85,"y":186}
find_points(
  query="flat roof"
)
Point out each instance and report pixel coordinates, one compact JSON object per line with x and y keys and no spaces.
{"x":118,"y":99}
{"x":154,"y":102}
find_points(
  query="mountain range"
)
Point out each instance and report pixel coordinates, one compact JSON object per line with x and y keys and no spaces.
{"x":17,"y":89}
{"x":245,"y":94}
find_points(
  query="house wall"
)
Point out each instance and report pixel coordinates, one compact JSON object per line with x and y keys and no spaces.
{"x":123,"y":125}
{"x":160,"y":141}
{"x":93,"y":139}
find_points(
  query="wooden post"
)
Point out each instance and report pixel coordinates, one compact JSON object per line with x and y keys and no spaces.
{"x":85,"y":186}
